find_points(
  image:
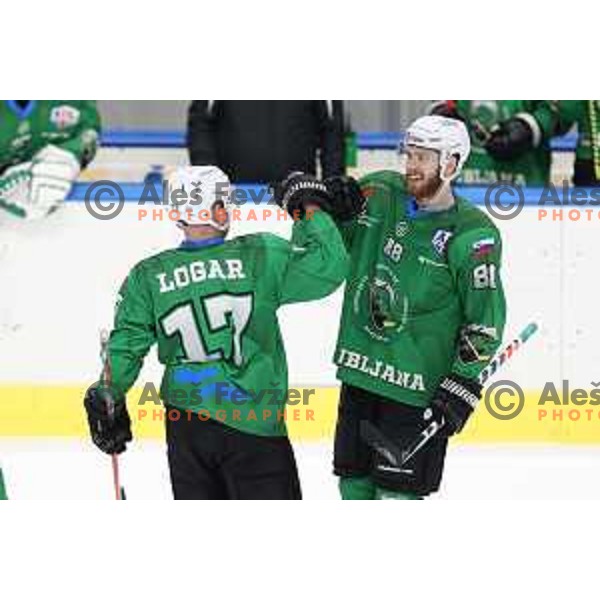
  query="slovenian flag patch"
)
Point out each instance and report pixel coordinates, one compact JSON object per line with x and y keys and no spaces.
{"x":483,"y":247}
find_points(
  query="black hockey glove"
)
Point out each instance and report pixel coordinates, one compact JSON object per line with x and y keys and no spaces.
{"x":348,"y":201}
{"x":509,"y":139}
{"x":299,"y":189}
{"x":110,"y":432}
{"x":454,"y":401}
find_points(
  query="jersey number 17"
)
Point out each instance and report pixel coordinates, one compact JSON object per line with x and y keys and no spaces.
{"x":221,"y":311}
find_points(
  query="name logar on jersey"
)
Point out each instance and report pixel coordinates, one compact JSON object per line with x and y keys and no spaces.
{"x":199,"y":271}
{"x":381,"y":370}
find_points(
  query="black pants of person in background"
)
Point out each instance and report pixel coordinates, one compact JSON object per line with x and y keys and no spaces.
{"x":212,"y":461}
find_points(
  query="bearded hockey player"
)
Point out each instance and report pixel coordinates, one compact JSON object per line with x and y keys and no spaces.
{"x":423,"y":313}
{"x":510,"y":138}
{"x":44,"y":144}
{"x":211,"y":304}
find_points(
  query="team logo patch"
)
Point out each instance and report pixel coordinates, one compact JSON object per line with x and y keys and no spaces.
{"x":379,"y":306}
{"x":401,"y":228}
{"x":64,"y":116}
{"x":440,"y":240}
{"x":483,"y":248}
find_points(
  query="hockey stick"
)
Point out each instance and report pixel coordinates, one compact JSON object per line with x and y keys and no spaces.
{"x":595,"y":136}
{"x":375,"y":438}
{"x":110,"y":407}
{"x":3,"y":494}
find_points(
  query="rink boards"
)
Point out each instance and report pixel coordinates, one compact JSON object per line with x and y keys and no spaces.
{"x":60,"y":277}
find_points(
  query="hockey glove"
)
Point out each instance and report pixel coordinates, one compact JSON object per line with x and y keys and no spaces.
{"x":299,"y":189}
{"x":510,"y":139}
{"x":454,"y":401}
{"x":108,"y":419}
{"x":348,"y":201}
{"x":15,"y":184}
{"x":53,"y":173}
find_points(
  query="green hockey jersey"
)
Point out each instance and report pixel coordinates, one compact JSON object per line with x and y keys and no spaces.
{"x":212,"y":310}
{"x":531,"y":168}
{"x":586,"y":115}
{"x":25,"y":129}
{"x":424,"y":296}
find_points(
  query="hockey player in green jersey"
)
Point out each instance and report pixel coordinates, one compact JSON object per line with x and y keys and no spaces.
{"x":586,"y":115}
{"x":44,"y":144}
{"x":510,"y":138}
{"x":423,"y":312}
{"x":210,"y":305}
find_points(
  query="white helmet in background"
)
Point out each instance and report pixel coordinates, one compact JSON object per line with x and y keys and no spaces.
{"x":448,"y":136}
{"x":201,"y":195}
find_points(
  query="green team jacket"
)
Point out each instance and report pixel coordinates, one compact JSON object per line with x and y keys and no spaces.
{"x":212,"y":310}
{"x":72,"y":125}
{"x":424,"y":295}
{"x":533,"y":167}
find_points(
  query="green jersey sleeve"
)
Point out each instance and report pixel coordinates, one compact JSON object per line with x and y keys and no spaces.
{"x":543,"y":118}
{"x":134,"y":331}
{"x":314,"y":263}
{"x":586,"y":115}
{"x":347,"y":231}
{"x":474,"y":258}
{"x":370,"y":185}
{"x":84,"y":138}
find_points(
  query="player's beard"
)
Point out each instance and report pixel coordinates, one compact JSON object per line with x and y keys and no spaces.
{"x":424,"y":189}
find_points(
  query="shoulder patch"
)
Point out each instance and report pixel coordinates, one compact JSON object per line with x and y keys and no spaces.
{"x":64,"y":116}
{"x":483,"y":247}
{"x":440,"y":240}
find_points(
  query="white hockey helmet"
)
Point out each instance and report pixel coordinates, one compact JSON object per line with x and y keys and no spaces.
{"x":447,"y":136}
{"x":195,"y":192}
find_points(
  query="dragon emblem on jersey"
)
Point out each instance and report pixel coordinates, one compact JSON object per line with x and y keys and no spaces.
{"x":379,"y":305}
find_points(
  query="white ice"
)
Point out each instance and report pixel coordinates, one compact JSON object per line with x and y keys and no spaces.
{"x":55,"y":469}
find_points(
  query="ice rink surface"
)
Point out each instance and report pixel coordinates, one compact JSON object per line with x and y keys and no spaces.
{"x":57,"y":469}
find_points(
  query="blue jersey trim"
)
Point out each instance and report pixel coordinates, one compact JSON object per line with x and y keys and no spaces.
{"x":414,"y":212}
{"x":21,"y":113}
{"x":194,"y":244}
